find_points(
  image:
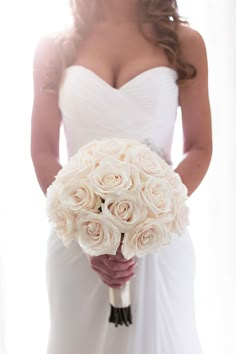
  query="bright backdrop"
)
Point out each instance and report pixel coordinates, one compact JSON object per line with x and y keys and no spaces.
{"x":23,"y":300}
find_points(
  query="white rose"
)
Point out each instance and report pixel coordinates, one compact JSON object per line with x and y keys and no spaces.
{"x":63,"y":219}
{"x":89,"y":148}
{"x":146,"y":160}
{"x":145,"y":238}
{"x":79,"y":196}
{"x":87,"y":153}
{"x":53,"y":200}
{"x":96,"y":235}
{"x":176,"y":183}
{"x":86,"y":159}
{"x":65,"y":225}
{"x":135,"y":178}
{"x":111,"y":176}
{"x":110,"y":147}
{"x":125,"y":210}
{"x":97,"y":150}
{"x":131,"y":143}
{"x":180,"y":210}
{"x":74,"y":168}
{"x":181,"y":217}
{"x":73,"y":190}
{"x":157,"y":195}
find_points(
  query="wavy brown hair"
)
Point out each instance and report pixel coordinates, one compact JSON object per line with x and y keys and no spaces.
{"x":162,"y":14}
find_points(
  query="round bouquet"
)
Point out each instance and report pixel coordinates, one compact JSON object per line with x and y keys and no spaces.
{"x":117,"y":192}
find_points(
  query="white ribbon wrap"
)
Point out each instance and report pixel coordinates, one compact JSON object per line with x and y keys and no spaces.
{"x":120,"y":297}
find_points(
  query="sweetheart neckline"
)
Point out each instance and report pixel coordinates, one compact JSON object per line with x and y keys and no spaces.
{"x":77,"y":66}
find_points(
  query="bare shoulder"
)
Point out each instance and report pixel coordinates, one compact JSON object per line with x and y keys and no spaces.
{"x":193,"y":48}
{"x":46,"y":49}
{"x":190,"y":39}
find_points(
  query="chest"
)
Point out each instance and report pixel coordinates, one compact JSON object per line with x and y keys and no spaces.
{"x":119,"y":53}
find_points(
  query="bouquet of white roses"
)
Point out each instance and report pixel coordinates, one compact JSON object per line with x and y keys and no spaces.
{"x":117,"y":190}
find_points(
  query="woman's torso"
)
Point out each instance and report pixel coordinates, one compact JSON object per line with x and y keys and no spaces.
{"x":117,"y":53}
{"x":120,"y":85}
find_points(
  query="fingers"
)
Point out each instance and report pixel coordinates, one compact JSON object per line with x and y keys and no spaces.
{"x":118,"y":281}
{"x":116,"y":266}
{"x":112,"y":272}
{"x":117,"y":274}
{"x":113,"y":269}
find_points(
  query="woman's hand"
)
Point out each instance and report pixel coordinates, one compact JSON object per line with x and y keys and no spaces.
{"x":113,"y":270}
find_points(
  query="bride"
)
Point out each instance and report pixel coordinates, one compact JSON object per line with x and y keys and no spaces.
{"x":121,"y":70}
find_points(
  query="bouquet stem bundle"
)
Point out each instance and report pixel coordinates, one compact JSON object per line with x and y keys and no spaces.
{"x":120,"y":316}
{"x":120,"y":305}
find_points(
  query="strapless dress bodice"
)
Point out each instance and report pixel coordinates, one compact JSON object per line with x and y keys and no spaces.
{"x":143,"y":108}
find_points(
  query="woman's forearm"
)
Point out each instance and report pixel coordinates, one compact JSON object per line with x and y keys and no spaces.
{"x":46,"y":168}
{"x":193,"y":167}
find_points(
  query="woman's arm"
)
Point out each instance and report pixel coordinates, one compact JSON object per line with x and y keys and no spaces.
{"x":46,"y":120}
{"x":196,"y":115}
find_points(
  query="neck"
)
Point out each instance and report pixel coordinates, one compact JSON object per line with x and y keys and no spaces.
{"x":118,"y":11}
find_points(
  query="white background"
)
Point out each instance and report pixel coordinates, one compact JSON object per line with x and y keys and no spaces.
{"x":23,"y":234}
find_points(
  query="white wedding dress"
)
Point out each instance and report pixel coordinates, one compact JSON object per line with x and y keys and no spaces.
{"x":163,"y":289}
